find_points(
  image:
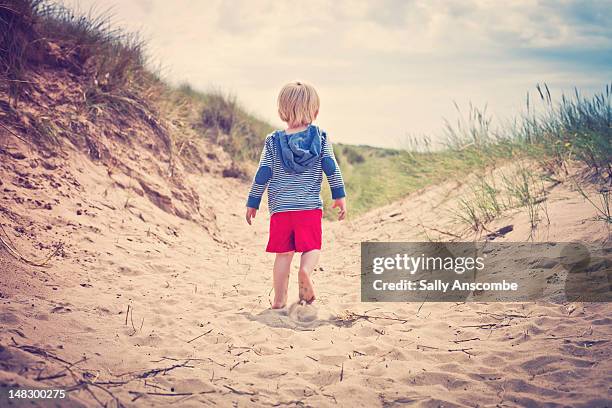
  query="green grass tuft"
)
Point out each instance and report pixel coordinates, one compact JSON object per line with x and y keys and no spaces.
{"x":222,"y":120}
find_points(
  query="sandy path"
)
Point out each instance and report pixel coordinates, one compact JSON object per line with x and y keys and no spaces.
{"x":200,"y":329}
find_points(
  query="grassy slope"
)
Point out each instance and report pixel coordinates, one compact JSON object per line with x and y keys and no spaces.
{"x":375,"y":176}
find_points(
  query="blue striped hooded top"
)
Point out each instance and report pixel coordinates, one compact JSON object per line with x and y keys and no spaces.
{"x":291,"y":167}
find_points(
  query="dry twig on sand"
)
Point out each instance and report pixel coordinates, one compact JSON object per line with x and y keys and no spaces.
{"x":14,"y":134}
{"x":201,"y":335}
{"x":239,"y":392}
{"x":463,"y":350}
{"x":86,"y":380}
{"x":138,"y":394}
{"x":464,"y":340}
{"x":6,"y":243}
{"x":439,"y":231}
{"x":165,"y":370}
{"x":348,"y":318}
{"x":487,"y":326}
{"x":503,"y":316}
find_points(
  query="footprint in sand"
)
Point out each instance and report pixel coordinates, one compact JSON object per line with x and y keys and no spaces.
{"x":302,"y":312}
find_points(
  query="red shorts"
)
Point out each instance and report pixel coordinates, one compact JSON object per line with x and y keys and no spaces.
{"x":298,"y":231}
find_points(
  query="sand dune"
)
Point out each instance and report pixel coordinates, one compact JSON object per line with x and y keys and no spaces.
{"x":147,"y":307}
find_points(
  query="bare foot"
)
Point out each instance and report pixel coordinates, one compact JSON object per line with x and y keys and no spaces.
{"x":306,"y":289}
{"x":280,"y":300}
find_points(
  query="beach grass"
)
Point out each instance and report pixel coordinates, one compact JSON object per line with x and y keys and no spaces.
{"x":575,"y":129}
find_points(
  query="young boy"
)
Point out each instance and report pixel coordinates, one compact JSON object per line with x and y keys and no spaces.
{"x":291,"y":166}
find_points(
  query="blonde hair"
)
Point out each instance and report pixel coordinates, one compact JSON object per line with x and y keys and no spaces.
{"x":298,"y":103}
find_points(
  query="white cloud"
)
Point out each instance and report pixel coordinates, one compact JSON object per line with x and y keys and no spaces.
{"x":384,"y":68}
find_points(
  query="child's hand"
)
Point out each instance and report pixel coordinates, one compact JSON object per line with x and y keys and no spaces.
{"x":340,"y":203}
{"x":250,"y":213}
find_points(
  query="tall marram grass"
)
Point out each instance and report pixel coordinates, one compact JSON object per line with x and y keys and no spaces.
{"x":116,"y":57}
{"x":17,"y":44}
{"x":111,"y":65}
{"x":577,"y":128}
{"x":223,"y":121}
{"x":572,"y":129}
{"x":35,"y":32}
{"x":521,"y":187}
{"x":41,"y":37}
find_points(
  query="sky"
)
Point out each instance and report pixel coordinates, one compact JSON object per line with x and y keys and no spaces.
{"x":384,"y":70}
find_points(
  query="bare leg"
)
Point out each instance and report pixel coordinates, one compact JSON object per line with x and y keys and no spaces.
{"x":282,"y":268}
{"x":308,"y":262}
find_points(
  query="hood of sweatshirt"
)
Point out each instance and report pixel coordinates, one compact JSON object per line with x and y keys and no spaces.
{"x":300,"y":151}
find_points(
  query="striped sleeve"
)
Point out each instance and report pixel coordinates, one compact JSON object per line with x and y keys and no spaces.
{"x":331,"y":169}
{"x":262,"y":177}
